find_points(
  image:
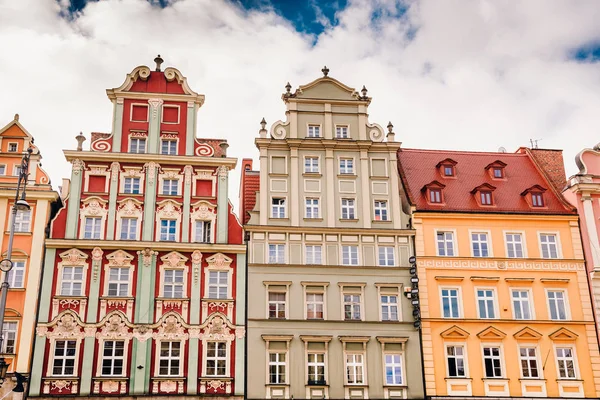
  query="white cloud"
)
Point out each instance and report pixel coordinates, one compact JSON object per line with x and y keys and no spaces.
{"x":457,"y":74}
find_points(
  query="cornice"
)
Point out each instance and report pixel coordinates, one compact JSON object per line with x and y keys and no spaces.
{"x":195,"y":161}
{"x":491,"y":215}
{"x":319,"y":144}
{"x":184,"y":98}
{"x":330,"y":230}
{"x":30,"y":194}
{"x":140,"y":245}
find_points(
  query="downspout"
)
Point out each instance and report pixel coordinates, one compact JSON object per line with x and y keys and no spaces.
{"x":246,"y":239}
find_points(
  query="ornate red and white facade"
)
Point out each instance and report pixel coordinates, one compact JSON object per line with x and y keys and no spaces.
{"x":144,"y":276}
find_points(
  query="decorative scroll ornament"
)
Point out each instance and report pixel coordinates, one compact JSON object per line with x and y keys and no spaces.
{"x":61,"y":385}
{"x":115,"y":328}
{"x":151,"y":171}
{"x":223,"y":172}
{"x":217,"y":329}
{"x":188,"y":170}
{"x":205,"y":150}
{"x":171,"y":329}
{"x":146,"y":255}
{"x":142,"y":333}
{"x":78,"y":166}
{"x":130,"y":207}
{"x":215,"y":385}
{"x":196,"y":262}
{"x":203,"y":210}
{"x":102,"y":145}
{"x":168,"y":209}
{"x":115,"y":168}
{"x":219,"y":260}
{"x":93,"y":206}
{"x":154,"y":105}
{"x":73,"y":257}
{"x":375,"y":133}
{"x":278,"y":130}
{"x":65,"y":327}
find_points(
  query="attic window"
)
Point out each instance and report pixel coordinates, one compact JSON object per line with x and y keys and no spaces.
{"x":485,"y":197}
{"x":483,"y":194}
{"x":537,"y":199}
{"x":446,"y":167}
{"x":435,"y":195}
{"x":448,"y":170}
{"x":496,"y":169}
{"x":535,"y":196}
{"x":434,"y":192}
{"x":498,"y":172}
{"x":12,"y":147}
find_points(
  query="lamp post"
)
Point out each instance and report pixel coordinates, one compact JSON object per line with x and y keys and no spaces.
{"x":6,"y":264}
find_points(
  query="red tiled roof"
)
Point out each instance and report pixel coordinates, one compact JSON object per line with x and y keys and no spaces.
{"x":250,"y":183}
{"x":418,"y":168}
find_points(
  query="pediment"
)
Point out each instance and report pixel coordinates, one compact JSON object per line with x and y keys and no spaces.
{"x":491,"y":333}
{"x":73,"y":257}
{"x":497,"y":163}
{"x":174,"y":259}
{"x":563,"y":334}
{"x":454,"y":333}
{"x":527,"y":334}
{"x":534,"y":188}
{"x":326,"y":88}
{"x":119,"y":257}
{"x":433,"y":185}
{"x":219,"y":260}
{"x":14,"y":129}
{"x":446,"y":161}
{"x":484,"y":186}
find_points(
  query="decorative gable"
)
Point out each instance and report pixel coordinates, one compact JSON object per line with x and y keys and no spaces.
{"x":563,"y":334}
{"x":73,"y":257}
{"x":527,"y":334}
{"x":455,"y":333}
{"x":491,"y":333}
{"x":174,"y":259}
{"x":119,"y":258}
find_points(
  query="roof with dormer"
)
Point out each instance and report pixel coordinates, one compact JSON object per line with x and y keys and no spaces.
{"x":418,"y":168}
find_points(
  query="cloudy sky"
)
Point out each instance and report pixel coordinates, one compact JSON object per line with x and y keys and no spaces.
{"x":451,"y":74}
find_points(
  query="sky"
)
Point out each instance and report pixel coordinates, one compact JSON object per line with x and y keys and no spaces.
{"x":454,"y":74}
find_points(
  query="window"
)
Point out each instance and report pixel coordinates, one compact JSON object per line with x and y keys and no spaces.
{"x":479,"y":243}
{"x":445,"y":243}
{"x":2,"y":169}
{"x":118,"y":282}
{"x":450,"y":303}
{"x":72,"y":281}
{"x":341,"y":132}
{"x":16,"y":276}
{"x":170,"y":187}
{"x":316,"y":368}
{"x":173,"y":284}
{"x":314,"y":305}
{"x":168,"y":147}
{"x":348,"y":209}
{"x":277,"y":367}
{"x":314,"y":131}
{"x":485,"y":303}
{"x":521,"y":304}
{"x":435,"y":195}
{"x":216,"y":358}
{"x":17,"y":170}
{"x":167,"y":229}
{"x":64,"y":357}
{"x":557,"y":304}
{"x":349,"y":255}
{"x":277,"y":305}
{"x":354,"y":369}
{"x":22,"y":221}
{"x":9,"y":334}
{"x":386,"y":256}
{"x":529,"y":362}
{"x":313,"y":254}
{"x":276,"y":253}
{"x":346,"y":166}
{"x":514,"y":245}
{"x":455,"y":358}
{"x":218,"y":284}
{"x":393,"y":369}
{"x":312,"y":208}
{"x":129,"y":228}
{"x":202,"y":231}
{"x":12,"y":147}
{"x":113,"y":357}
{"x":277,"y":208}
{"x":352,"y":307}
{"x":549,"y":245}
{"x":498,"y":172}
{"x":137,"y":145}
{"x":448,"y":170}
{"x":537,"y":200}
{"x":169,"y":359}
{"x":92,"y":227}
{"x":389,"y":307}
{"x":492,"y":363}
{"x":566,"y":362}
{"x":381,"y":212}
{"x":486,"y":198}
{"x":131,"y":186}
{"x":311,"y":165}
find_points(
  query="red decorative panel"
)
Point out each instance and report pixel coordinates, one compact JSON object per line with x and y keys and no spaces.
{"x":204,"y":188}
{"x":139,"y":113}
{"x":171,"y":114}
{"x":97,"y":184}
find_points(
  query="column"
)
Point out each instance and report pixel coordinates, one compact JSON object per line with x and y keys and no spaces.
{"x":294,"y":201}
{"x":263,"y":185}
{"x":187,"y":199}
{"x":112,"y":200}
{"x":240,"y":319}
{"x":330,"y":180}
{"x":154,"y":125}
{"x":190,"y":134}
{"x":365,"y":189}
{"x":74,"y":199}
{"x":117,"y":128}
{"x":45,"y":301}
{"x":394,"y":189}
{"x":150,"y":200}
{"x":223,"y":205}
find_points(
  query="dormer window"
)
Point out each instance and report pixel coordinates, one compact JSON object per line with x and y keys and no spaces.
{"x":535,"y":196}
{"x":435,"y":195}
{"x":537,"y":200}
{"x":447,"y":168}
{"x":496,"y":169}
{"x":483,"y":194}
{"x":434,"y":192}
{"x":486,"y":197}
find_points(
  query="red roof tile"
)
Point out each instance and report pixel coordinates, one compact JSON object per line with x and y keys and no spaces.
{"x":418,"y":168}
{"x":250,"y":184}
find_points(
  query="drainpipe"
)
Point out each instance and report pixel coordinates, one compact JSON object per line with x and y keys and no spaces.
{"x":246,"y":239}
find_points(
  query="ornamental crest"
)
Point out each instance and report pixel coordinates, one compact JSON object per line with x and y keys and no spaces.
{"x":168,"y":209}
{"x":114,"y":171}
{"x":219,"y":260}
{"x":73,"y":257}
{"x":203,"y":210}
{"x":93,"y":206}
{"x":146,"y":255}
{"x":130,"y":207}
{"x":217,"y":329}
{"x":97,"y":254}
{"x":114,"y":328}
{"x":119,"y":258}
{"x":171,"y":328}
{"x":66,"y":327}
{"x":174,"y":259}
{"x":142,"y":333}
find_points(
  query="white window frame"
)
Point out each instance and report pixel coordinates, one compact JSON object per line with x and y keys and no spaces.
{"x":170,"y":144}
{"x":113,"y":358}
{"x":216,"y":358}
{"x":349,"y":208}
{"x":386,"y":259}
{"x":464,"y":357}
{"x":278,"y":303}
{"x":8,"y":149}
{"x":310,"y":257}
{"x":402,"y":365}
{"x":454,"y":242}
{"x":71,"y":281}
{"x":351,"y":290}
{"x":343,"y":170}
{"x":178,"y":114}
{"x":2,"y":169}
{"x":523,"y":243}
{"x":500,"y":358}
{"x":494,"y":300}
{"x":459,"y":302}
{"x":279,"y":207}
{"x":279,"y":254}
{"x":19,"y":265}
{"x":382,"y":210}
{"x":309,"y":169}
{"x":10,"y":335}
{"x":173,"y":282}
{"x":383,"y":305}
{"x":119,"y":282}
{"x":173,"y":183}
{"x":132,"y":191}
{"x":488,"y":242}
{"x":169,"y":358}
{"x":23,"y":221}
{"x":350,"y":257}
{"x":529,"y":300}
{"x":131,"y":112}
{"x":558,"y":245}
{"x":96,"y":227}
{"x":565,"y":300}
{"x":206,"y":235}
{"x":127,"y":231}
{"x":313,"y":126}
{"x":315,"y":303}
{"x":362,"y":365}
{"x":342,"y":136}
{"x":312,"y":207}
{"x":316,"y":364}
{"x":278,"y":363}
{"x":218,"y":285}
{"x":558,"y":360}
{"x":540,"y":370}
{"x":168,"y":234}
{"x":50,"y":370}
{"x":130,"y":146}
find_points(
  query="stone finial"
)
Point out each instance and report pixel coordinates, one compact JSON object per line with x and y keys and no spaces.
{"x":16,"y":118}
{"x":390,"y":127}
{"x":288,"y":89}
{"x":263,"y":128}
{"x":391,"y":136}
{"x":224,"y":146}
{"x":325,"y":71}
{"x":364,"y":92}
{"x":158,"y":60}
{"x":80,"y":139}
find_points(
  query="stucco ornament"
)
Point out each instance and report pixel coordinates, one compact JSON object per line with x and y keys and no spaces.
{"x":196,"y":262}
{"x":102,"y":145}
{"x":96,"y":259}
{"x":65,"y":327}
{"x":97,"y":254}
{"x":151,"y":171}
{"x":115,"y":168}
{"x":278,"y":130}
{"x":215,"y":385}
{"x":223,"y":172}
{"x":168,"y":386}
{"x":204,"y":150}
{"x":174,"y":259}
{"x":110,"y":386}
{"x":203,"y":210}
{"x":217,"y":329}
{"x":61,"y":385}
{"x":376,"y":133}
{"x":168,"y":209}
{"x":170,"y":329}
{"x":129,"y":208}
{"x":154,"y":105}
{"x":142,"y":333}
{"x":115,"y":328}
{"x":119,"y":258}
{"x":73,"y":257}
{"x":78,"y":166}
{"x":146,"y":256}
{"x":219,"y":260}
{"x":188,"y":171}
{"x":93,"y":206}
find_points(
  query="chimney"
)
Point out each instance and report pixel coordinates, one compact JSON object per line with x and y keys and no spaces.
{"x":551,"y":161}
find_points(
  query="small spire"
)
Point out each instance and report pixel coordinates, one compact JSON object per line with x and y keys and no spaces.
{"x":158,"y":60}
{"x":364,"y":92}
{"x":288,"y":89}
{"x":263,"y":129}
{"x":224,"y":145}
{"x":80,"y":139}
{"x":16,"y":117}
{"x":325,"y":70}
{"x":263,"y":123}
{"x":390,"y":127}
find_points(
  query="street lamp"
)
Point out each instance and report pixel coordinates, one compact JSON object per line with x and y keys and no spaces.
{"x":6,"y":264}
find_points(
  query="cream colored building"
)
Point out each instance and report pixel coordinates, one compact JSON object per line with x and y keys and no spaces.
{"x":328,"y":255}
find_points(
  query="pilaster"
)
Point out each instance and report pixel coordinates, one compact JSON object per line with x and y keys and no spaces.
{"x":590,"y":222}
{"x":149,"y":200}
{"x":396,"y":207}
{"x":223,"y":205}
{"x":263,"y":185}
{"x":87,"y":367}
{"x":365,"y":190}
{"x":190,"y":135}
{"x":293,"y":116}
{"x":117,"y":128}
{"x":294,"y":206}
{"x":240,"y":318}
{"x":328,"y":128}
{"x":154,"y":125}
{"x":330,"y":172}
{"x":192,"y":375}
{"x":144,"y":301}
{"x":74,"y":199}
{"x":187,"y":199}
{"x":112,"y":200}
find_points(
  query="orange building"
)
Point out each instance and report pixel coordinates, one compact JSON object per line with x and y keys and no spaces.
{"x":28,"y":247}
{"x":505,"y":305}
